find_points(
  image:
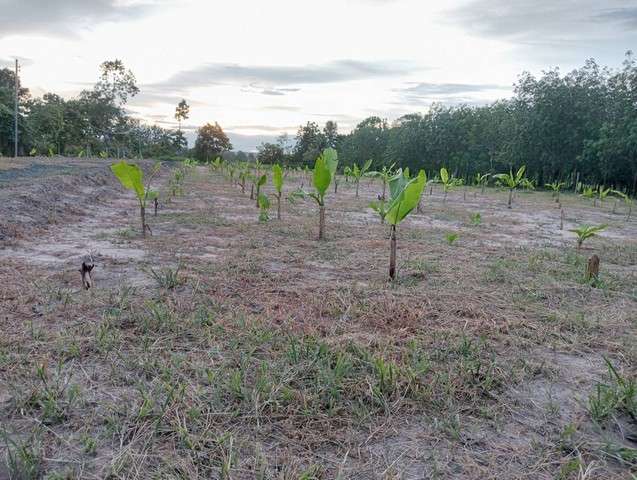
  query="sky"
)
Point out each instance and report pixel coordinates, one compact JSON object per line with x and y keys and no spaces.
{"x":262,"y":68}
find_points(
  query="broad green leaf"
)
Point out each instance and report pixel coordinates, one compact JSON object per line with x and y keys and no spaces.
{"x":264,"y":201}
{"x":130,"y":176}
{"x":262,"y":180}
{"x":322,"y":176}
{"x":277,"y":177}
{"x":406,"y":200}
{"x":518,"y":176}
{"x":397,"y":184}
{"x":331,"y":160}
{"x":368,"y":164}
{"x":378,"y":207}
{"x":444,"y":175}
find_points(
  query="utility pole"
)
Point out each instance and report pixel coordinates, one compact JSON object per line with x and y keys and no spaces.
{"x":15,"y":113}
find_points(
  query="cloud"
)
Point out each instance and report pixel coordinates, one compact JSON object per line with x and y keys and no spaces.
{"x":64,"y":17}
{"x":273,"y":91}
{"x":9,"y":62}
{"x":424,"y":88}
{"x":625,"y":17}
{"x":279,"y":79}
{"x":150,"y":99}
{"x":545,"y":33}
{"x":261,"y":128}
{"x":546,"y":21}
{"x":425,"y":93}
{"x":282,"y":108}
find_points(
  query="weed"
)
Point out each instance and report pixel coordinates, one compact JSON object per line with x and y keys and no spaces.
{"x":168,"y":277}
{"x":451,"y":237}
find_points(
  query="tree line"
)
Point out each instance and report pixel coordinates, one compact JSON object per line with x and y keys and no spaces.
{"x":581,"y":126}
{"x":95,"y":122}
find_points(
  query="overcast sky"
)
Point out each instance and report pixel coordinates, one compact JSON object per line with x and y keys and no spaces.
{"x":260,"y":67}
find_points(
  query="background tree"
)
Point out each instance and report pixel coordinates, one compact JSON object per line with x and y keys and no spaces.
{"x":330,"y":131}
{"x":211,"y":142}
{"x":116,"y":83}
{"x":182,"y":111}
{"x":367,"y":141}
{"x":7,"y":99}
{"x":310,"y":141}
{"x":270,"y":153}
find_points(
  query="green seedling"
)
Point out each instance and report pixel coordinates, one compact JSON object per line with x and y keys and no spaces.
{"x":405,"y":194}
{"x":132,"y":178}
{"x":324,"y":171}
{"x":451,"y":237}
{"x":277,"y":181}
{"x":512,"y":181}
{"x":585,"y":232}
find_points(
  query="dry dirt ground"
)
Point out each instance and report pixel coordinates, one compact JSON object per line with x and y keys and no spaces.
{"x":225,"y":347}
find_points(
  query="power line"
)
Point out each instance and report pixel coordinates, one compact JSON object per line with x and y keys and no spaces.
{"x":15,"y":113}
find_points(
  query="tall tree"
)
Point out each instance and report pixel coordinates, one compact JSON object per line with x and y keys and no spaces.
{"x":182,"y":111}
{"x":7,"y":98}
{"x":310,"y":141}
{"x":330,"y":131}
{"x":270,"y":153}
{"x":211,"y":142}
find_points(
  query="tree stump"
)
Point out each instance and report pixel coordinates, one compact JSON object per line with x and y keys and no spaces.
{"x":592,"y":268}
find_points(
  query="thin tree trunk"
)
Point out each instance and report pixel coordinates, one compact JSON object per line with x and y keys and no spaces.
{"x":510,"y":198}
{"x":156,"y":205}
{"x":561,"y":219}
{"x":256,"y":197}
{"x":143,"y":218}
{"x":335,"y":185}
{"x":321,"y":221}
{"x":483,"y":187}
{"x":384,"y":189}
{"x":357,"y":182}
{"x":392,"y":253}
{"x":576,"y":181}
{"x":252,"y":192}
{"x":278,"y":206}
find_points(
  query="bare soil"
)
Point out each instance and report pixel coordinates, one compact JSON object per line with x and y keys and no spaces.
{"x":225,"y":347}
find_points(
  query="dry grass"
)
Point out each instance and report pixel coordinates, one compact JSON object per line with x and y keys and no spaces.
{"x":222,"y":347}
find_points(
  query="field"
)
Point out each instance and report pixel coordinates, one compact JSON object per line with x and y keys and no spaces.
{"x":225,"y":347}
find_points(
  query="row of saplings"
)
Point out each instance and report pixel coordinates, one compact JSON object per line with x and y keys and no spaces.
{"x":404,"y":192}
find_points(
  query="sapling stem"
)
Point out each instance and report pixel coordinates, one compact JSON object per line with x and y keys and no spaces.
{"x":321,"y":221}
{"x":392,"y":253}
